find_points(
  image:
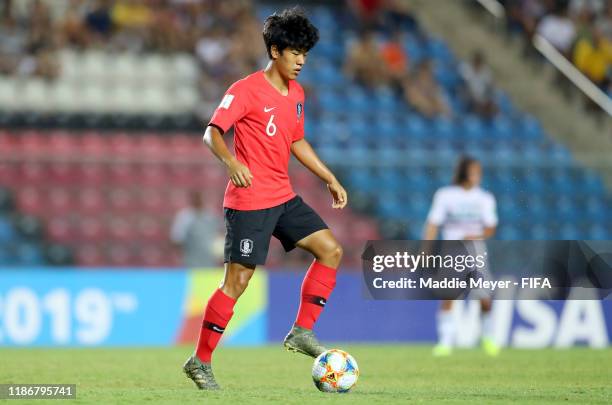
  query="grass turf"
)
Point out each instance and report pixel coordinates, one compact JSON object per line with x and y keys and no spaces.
{"x":389,"y":374}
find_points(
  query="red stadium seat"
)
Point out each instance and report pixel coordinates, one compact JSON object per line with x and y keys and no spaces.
{"x":151,"y":255}
{"x":124,"y":146}
{"x":63,"y":144}
{"x":152,"y":229}
{"x":92,"y":229}
{"x":61,"y":230}
{"x":94,"y":145}
{"x":30,"y":201}
{"x":120,"y":255}
{"x":33,"y":173}
{"x":153,"y":201}
{"x":121,"y":201}
{"x":34,"y":145}
{"x":121,"y":229}
{"x":92,"y":174}
{"x":60,"y":200}
{"x":9,"y":175}
{"x":62,"y":173}
{"x":90,"y":255}
{"x":154,"y":174}
{"x":91,"y":201}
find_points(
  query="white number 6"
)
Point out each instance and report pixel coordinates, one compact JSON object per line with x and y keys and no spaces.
{"x":271,"y":127}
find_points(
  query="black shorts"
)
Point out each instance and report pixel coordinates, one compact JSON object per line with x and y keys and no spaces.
{"x":249,"y":232}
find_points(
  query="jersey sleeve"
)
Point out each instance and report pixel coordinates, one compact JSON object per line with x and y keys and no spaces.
{"x":490,"y":211}
{"x":437,"y":212}
{"x":299,"y":131}
{"x":233,"y":106}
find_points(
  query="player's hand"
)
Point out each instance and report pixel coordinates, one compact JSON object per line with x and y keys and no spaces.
{"x":340,"y":199}
{"x":239,"y":174}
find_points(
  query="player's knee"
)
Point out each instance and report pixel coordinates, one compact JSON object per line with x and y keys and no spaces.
{"x":236,"y":283}
{"x":485,"y":305}
{"x":332,"y":252}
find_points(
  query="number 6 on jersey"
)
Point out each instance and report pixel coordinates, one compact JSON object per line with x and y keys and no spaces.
{"x":271,"y":127}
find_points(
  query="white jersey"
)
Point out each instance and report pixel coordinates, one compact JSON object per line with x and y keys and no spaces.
{"x":461,"y":213}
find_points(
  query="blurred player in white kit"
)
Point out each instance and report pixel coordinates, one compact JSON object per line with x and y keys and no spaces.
{"x":463,"y":211}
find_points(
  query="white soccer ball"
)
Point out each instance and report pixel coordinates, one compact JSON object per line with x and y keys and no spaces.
{"x":335,"y":371}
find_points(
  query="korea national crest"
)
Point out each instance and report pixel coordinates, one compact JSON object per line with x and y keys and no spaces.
{"x":299,"y":109}
{"x":246,"y":247}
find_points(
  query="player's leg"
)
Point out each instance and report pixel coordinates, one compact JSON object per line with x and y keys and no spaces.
{"x":446,"y":329}
{"x":220,"y":307}
{"x":320,"y":279}
{"x":246,"y":245}
{"x":489,"y":344}
{"x":217,"y":315}
{"x":300,"y":226}
{"x":319,"y":282}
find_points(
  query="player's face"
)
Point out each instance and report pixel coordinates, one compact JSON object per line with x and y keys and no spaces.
{"x":474,"y":174}
{"x":289,"y":62}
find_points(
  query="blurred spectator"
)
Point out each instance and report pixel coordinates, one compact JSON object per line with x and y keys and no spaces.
{"x":479,"y":89}
{"x":27,"y":46}
{"x":398,"y":15}
{"x":594,"y":57}
{"x":395,"y":57}
{"x":196,"y":231}
{"x":363,"y":62}
{"x":367,"y":13}
{"x":13,"y":42}
{"x":424,"y":94}
{"x":558,"y":29}
{"x":590,"y":6}
{"x":98,"y":20}
{"x":604,"y":22}
{"x":523,"y":15}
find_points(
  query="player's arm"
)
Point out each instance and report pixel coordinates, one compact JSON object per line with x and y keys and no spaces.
{"x":435,"y":217}
{"x":303,"y":152}
{"x":239,"y":174}
{"x":430,"y":232}
{"x":487,"y":233}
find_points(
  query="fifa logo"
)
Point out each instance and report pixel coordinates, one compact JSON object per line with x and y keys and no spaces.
{"x":246,"y":247}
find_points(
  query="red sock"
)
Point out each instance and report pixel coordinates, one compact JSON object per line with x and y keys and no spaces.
{"x":318,"y":284}
{"x":218,"y":313}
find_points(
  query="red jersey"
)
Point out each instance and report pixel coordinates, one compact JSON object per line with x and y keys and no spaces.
{"x":266,"y":123}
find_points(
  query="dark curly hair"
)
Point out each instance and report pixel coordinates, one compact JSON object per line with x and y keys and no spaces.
{"x":289,"y":29}
{"x":461,"y":170}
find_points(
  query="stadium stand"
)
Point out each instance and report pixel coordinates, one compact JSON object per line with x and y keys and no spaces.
{"x":110,"y":195}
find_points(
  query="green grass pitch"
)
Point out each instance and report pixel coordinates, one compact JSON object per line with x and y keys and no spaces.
{"x":389,"y":374}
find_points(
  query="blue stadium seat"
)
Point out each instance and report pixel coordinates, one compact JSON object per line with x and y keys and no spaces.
{"x":330,"y":101}
{"x":444,"y":129}
{"x":529,"y":128}
{"x":473,"y":128}
{"x":599,"y":232}
{"x":540,"y":232}
{"x":502,"y":128}
{"x":357,"y":100}
{"x":6,"y":257}
{"x":390,"y":206}
{"x":509,"y":232}
{"x":7,"y":231}
{"x":437,"y":49}
{"x":569,"y":231}
{"x":416,"y":127}
{"x":29,"y":254}
{"x":361,"y":180}
{"x":504,"y":103}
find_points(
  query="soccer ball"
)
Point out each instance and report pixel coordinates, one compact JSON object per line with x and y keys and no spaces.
{"x":335,"y":371}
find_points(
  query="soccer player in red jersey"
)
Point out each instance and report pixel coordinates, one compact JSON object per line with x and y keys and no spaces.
{"x":266,"y":110}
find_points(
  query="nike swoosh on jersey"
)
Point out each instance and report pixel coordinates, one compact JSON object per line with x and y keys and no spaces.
{"x":268,"y":109}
